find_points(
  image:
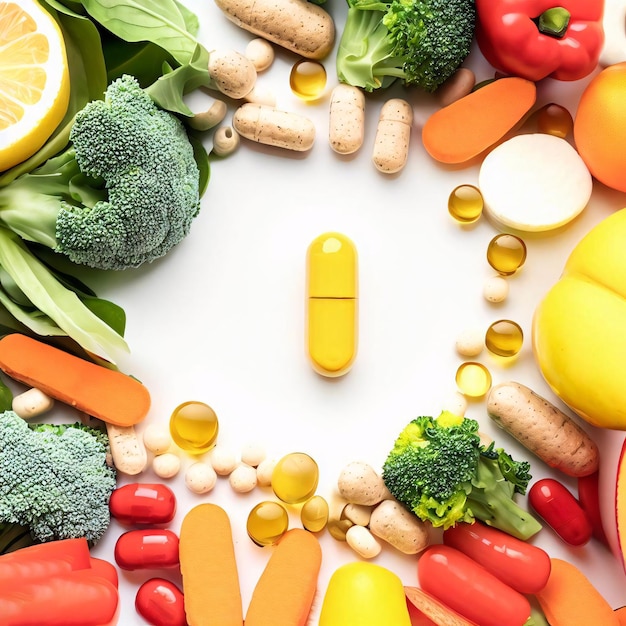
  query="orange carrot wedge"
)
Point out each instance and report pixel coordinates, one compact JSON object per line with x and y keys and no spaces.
{"x":569,"y":599}
{"x":285,"y":591}
{"x":466,"y":128}
{"x":209,"y":568}
{"x":100,"y":392}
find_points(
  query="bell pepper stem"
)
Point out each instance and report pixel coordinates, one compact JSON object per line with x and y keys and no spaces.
{"x":554,"y":22}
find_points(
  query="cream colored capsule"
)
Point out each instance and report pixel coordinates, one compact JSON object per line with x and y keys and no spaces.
{"x":32,"y":403}
{"x":297,"y":25}
{"x":346,"y":129}
{"x":261,"y":53}
{"x":361,"y":540}
{"x":273,"y":127}
{"x":233,"y":73}
{"x":393,"y":134}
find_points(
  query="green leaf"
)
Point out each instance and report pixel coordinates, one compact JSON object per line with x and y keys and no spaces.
{"x":168,"y":91}
{"x":52,"y":299}
{"x":158,"y":21}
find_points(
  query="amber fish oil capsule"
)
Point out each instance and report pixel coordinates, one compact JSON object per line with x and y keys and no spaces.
{"x":332,"y":304}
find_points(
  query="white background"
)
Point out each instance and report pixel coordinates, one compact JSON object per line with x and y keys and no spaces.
{"x":221,"y":318}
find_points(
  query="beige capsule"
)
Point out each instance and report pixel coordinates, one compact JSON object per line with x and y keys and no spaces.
{"x":296,"y":25}
{"x":274,"y":127}
{"x":233,"y":73}
{"x":393,"y":135}
{"x":346,"y":129}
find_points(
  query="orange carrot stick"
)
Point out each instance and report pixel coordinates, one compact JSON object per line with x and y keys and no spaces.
{"x":209,"y":568}
{"x":466,"y":128}
{"x":569,"y":599}
{"x":98,"y":391}
{"x":285,"y":591}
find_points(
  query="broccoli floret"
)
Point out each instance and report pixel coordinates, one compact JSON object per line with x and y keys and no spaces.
{"x":420,"y":42}
{"x":54,"y":480}
{"x":439,"y":469}
{"x":122,"y":193}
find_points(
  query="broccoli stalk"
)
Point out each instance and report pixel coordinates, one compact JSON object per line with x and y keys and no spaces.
{"x":122,"y":193}
{"x":420,"y":42}
{"x":54,"y":480}
{"x":439,"y":469}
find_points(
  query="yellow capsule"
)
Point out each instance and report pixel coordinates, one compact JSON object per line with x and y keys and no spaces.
{"x":194,"y":427}
{"x":465,"y":204}
{"x":504,"y":338}
{"x":307,"y":79}
{"x":267,"y":523}
{"x":473,"y":379}
{"x":506,"y":254}
{"x":332,"y":306}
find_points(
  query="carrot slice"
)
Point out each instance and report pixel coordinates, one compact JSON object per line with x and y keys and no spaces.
{"x":98,"y":391}
{"x":284,"y":593}
{"x":569,"y":599}
{"x":209,"y":568}
{"x":466,"y":128}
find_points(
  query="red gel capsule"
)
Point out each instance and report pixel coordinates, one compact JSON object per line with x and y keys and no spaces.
{"x":561,"y":511}
{"x":161,"y":603}
{"x":143,"y":503}
{"x":146,"y":549}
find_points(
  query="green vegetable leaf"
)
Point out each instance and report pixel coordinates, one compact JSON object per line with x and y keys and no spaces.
{"x":52,"y":299}
{"x":158,"y":21}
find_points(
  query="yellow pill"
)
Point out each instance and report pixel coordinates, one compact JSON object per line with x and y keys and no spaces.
{"x":506,"y":254}
{"x":504,"y":338}
{"x":473,"y":379}
{"x":332,"y":304}
{"x":267,"y":523}
{"x":194,"y":427}
{"x":295,"y":478}
{"x":465,"y":204}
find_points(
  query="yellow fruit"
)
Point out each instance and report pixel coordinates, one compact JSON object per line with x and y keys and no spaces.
{"x":579,"y":337}
{"x":364,"y":594}
{"x":34,"y":79}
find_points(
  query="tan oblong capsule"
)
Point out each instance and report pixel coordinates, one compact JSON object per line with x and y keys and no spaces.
{"x":297,"y":25}
{"x":273,"y":127}
{"x":393,"y":134}
{"x":346,"y":129}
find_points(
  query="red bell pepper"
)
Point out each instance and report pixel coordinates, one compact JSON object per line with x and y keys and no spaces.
{"x":535,"y":39}
{"x":57,"y":583}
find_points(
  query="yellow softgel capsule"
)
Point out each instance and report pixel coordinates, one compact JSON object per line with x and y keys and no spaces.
{"x":295,"y":477}
{"x":473,"y":379}
{"x":504,"y":338}
{"x":194,"y":427}
{"x":465,"y":204}
{"x":332,"y":304}
{"x":506,"y":254}
{"x":267,"y":522}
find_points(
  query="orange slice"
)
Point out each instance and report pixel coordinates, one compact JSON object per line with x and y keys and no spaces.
{"x":34,"y":79}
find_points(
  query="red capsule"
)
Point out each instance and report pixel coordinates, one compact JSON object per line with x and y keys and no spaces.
{"x":147,"y":548}
{"x":143,"y":503}
{"x":161,"y":603}
{"x":561,"y":511}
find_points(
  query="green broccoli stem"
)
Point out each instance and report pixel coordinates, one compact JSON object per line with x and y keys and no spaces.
{"x":30,"y":205}
{"x":491,"y":501}
{"x":365,"y":57}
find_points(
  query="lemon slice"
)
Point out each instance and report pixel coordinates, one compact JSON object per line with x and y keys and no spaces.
{"x":34,"y":79}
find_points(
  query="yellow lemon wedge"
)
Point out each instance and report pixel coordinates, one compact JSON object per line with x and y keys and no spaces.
{"x":34,"y":79}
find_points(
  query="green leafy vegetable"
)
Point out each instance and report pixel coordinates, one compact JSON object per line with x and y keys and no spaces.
{"x":54,"y":480}
{"x":420,"y":42}
{"x":439,"y":470}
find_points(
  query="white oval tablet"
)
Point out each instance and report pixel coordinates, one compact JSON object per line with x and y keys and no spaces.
{"x":534,"y":182}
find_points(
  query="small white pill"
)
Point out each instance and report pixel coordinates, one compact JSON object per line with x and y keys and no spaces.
{"x":358,"y":514}
{"x":200,"y":477}
{"x":253,"y":454}
{"x":361,"y":540}
{"x":264,"y":471}
{"x":261,"y":53}
{"x":496,"y":289}
{"x":470,"y":342}
{"x":157,"y":438}
{"x":31,"y":403}
{"x":166,"y":465}
{"x":243,"y":478}
{"x":223,"y":460}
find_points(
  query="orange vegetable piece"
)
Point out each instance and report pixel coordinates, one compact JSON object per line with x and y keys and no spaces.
{"x":569,"y":599}
{"x":96,"y":390}
{"x":466,"y":128}
{"x":434,"y":610}
{"x":284,"y":593}
{"x":621,"y":615}
{"x":209,"y":569}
